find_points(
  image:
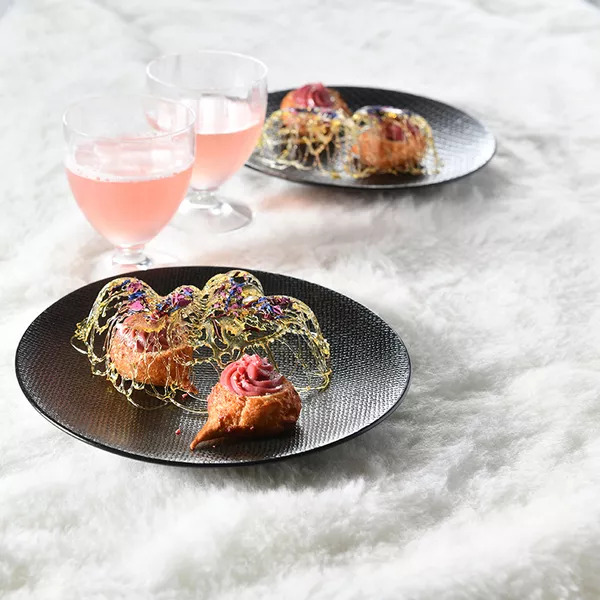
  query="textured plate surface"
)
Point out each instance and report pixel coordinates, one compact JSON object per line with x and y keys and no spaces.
{"x":464,"y":145}
{"x":371,"y":373}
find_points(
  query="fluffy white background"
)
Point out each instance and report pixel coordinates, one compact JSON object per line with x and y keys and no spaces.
{"x":486,"y":483}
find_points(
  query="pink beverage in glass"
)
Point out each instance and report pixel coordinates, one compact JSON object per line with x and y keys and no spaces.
{"x":129,"y":160}
{"x":228,"y":93}
{"x":226,"y":133}
{"x":128,"y":205}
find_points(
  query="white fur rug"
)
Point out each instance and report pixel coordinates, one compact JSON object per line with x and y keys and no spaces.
{"x":486,"y":483}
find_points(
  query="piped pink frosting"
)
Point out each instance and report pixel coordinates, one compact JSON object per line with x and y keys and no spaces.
{"x":251,"y":376}
{"x":313,"y":95}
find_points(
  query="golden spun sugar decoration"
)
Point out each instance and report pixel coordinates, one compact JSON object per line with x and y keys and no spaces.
{"x":391,"y":140}
{"x":375,"y":139}
{"x":140,"y":340}
{"x":305,"y":138}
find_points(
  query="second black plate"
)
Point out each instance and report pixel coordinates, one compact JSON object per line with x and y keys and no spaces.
{"x":464,"y":145}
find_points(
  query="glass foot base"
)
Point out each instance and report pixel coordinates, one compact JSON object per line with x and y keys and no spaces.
{"x":216,"y":214}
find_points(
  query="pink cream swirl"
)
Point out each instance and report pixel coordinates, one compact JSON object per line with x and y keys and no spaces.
{"x":313,"y":95}
{"x":251,"y":376}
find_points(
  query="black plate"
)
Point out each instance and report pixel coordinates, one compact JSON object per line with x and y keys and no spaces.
{"x":371,"y":373}
{"x":464,"y":145}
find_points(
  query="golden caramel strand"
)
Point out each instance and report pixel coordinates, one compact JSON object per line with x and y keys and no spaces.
{"x":375,"y":139}
{"x":139,"y":340}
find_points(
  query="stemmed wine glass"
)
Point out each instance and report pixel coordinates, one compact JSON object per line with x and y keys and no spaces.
{"x":228,"y":93}
{"x":129,"y":163}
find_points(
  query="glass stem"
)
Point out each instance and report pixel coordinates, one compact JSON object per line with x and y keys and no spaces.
{"x":132,"y":256}
{"x":206,"y":199}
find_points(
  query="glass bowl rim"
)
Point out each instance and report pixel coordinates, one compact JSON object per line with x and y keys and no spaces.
{"x":190,"y":122}
{"x":154,"y":78}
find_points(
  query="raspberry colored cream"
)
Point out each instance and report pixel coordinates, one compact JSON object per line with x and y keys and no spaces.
{"x":142,"y":340}
{"x":313,"y":95}
{"x":393,"y":131}
{"x":251,"y":376}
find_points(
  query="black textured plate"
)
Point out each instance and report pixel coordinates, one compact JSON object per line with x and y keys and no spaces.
{"x":464,"y":145}
{"x":371,"y":373}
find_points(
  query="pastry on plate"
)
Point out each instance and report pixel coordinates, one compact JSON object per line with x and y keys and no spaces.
{"x":314,"y":95}
{"x":314,"y":104}
{"x":251,"y":399}
{"x":152,"y":351}
{"x":138,"y":339}
{"x":390,"y":138}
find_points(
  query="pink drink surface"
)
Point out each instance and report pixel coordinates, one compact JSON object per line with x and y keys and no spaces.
{"x":226,"y":134}
{"x":127,"y":204}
